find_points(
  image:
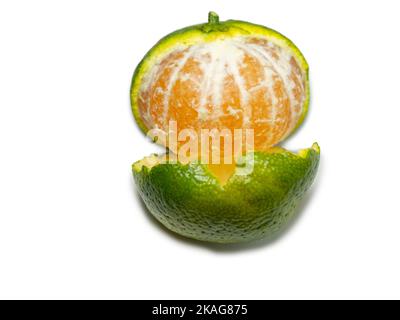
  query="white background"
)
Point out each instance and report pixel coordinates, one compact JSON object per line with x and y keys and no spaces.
{"x":71,"y":224}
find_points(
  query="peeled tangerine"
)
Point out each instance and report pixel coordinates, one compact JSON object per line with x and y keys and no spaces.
{"x":221,"y":76}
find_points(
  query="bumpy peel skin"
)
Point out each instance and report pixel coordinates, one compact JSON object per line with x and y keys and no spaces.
{"x":190,"y":201}
{"x":223,"y":75}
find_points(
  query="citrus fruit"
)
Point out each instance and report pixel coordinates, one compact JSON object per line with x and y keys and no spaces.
{"x":198,"y":203}
{"x":223,"y":75}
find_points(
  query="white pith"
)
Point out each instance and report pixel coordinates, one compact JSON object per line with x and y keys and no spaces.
{"x":221,"y":59}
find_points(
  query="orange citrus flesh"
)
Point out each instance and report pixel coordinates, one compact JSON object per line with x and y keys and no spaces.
{"x":222,"y":171}
{"x":235,"y":83}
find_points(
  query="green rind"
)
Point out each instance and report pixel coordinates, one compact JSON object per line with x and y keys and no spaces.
{"x":210,"y":32}
{"x":189,"y":200}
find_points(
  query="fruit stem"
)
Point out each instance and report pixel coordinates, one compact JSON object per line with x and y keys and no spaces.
{"x":213,"y":18}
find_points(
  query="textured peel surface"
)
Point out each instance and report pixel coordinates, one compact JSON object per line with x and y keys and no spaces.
{"x":190,"y":200}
